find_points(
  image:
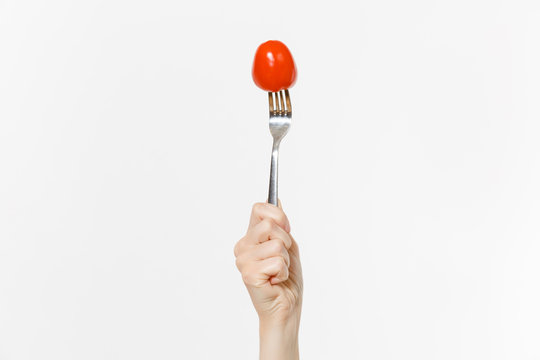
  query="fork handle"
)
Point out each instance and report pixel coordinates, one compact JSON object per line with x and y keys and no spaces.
{"x":273,"y":188}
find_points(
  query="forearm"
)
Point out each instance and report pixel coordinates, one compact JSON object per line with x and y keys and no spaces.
{"x":279,"y":341}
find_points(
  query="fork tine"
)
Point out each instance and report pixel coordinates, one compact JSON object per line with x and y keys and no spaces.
{"x":281,"y":104}
{"x":288,"y":99}
{"x":271,"y":102}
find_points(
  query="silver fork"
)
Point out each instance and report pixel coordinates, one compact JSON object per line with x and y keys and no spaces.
{"x":280,"y":121}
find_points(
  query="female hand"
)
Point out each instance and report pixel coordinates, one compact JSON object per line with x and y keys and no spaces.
{"x":268,"y":258}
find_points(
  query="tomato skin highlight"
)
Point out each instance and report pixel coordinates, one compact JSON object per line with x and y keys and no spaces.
{"x":273,"y":67}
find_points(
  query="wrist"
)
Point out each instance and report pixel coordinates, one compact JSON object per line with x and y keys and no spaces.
{"x":279,"y":338}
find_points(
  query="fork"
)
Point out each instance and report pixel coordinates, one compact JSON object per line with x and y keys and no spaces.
{"x":280,"y":121}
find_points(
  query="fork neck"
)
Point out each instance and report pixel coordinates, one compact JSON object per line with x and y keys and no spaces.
{"x":275,"y":143}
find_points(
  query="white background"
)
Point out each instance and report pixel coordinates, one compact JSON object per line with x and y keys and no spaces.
{"x":133,"y":144}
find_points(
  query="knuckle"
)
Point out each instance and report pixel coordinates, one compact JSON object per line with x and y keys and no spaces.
{"x":239,"y":262}
{"x":238,"y":247}
{"x":267,"y":225}
{"x":287,"y":242}
{"x":281,"y":218}
{"x":278,"y":263}
{"x":276,"y":247}
{"x":257,"y":208}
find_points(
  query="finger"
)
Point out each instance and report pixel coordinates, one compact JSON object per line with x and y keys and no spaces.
{"x":263,"y":211}
{"x":268,"y":230}
{"x":269,"y":249}
{"x":259,"y":273}
{"x":277,"y":270}
{"x":265,"y":231}
{"x":273,"y":248}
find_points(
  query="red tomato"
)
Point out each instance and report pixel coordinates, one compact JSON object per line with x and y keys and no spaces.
{"x":273,"y":67}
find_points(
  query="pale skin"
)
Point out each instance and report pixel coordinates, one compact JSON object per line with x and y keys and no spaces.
{"x":268,"y":258}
